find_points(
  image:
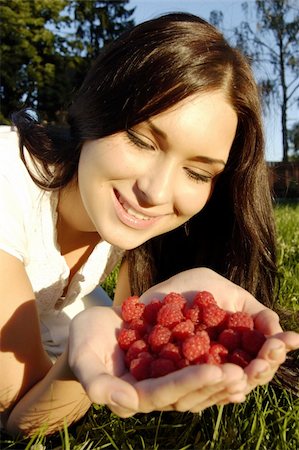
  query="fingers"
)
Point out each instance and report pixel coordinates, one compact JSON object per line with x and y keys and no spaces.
{"x":155,"y":394}
{"x":189,"y":388}
{"x":234,"y":382}
{"x":262,"y":369}
{"x":267,"y":322}
{"x":289,"y":338}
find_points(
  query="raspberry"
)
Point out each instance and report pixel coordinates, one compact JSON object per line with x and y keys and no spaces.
{"x":240,"y":321}
{"x":231,"y":339}
{"x":175,"y":299}
{"x":193,"y":313}
{"x":240,"y":357}
{"x":218,"y":353}
{"x":139,"y":325}
{"x":151,"y":311}
{"x":170,"y":351}
{"x":213,"y":316}
{"x":140,"y":367}
{"x":204,"y":298}
{"x":131,"y":309}
{"x":169,"y":315}
{"x":161,"y":366}
{"x":158,"y":336}
{"x":252,"y":341}
{"x":195,"y":346}
{"x":134,"y":350}
{"x":126,"y":338}
{"x":183,"y":330}
{"x":212,"y":331}
{"x":167,"y":335}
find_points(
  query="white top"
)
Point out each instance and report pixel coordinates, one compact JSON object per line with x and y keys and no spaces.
{"x":28,"y":231}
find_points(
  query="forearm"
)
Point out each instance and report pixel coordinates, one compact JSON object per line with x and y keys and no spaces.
{"x":57,"y":399}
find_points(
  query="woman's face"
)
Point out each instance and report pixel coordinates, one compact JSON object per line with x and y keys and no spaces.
{"x":146,"y":182}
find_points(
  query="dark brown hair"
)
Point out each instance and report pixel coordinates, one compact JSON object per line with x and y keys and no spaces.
{"x":146,"y":71}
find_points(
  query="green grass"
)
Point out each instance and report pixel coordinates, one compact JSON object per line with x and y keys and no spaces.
{"x":267,"y":420}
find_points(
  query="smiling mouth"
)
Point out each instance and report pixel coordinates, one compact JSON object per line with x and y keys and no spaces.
{"x":132,"y":211}
{"x":129,"y":216}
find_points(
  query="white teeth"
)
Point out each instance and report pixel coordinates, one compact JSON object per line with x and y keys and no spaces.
{"x":133,"y":213}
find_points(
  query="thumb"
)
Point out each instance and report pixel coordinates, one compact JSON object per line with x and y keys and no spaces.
{"x":106,"y":389}
{"x":101,"y":386}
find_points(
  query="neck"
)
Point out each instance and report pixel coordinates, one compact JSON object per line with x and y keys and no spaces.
{"x":74,"y":228}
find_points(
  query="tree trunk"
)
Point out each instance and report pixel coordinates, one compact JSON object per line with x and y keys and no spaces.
{"x":285,"y":143}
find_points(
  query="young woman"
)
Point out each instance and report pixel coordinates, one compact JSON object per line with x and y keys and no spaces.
{"x":162,"y":168}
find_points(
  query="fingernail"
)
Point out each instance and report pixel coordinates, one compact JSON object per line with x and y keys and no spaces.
{"x":122,"y":399}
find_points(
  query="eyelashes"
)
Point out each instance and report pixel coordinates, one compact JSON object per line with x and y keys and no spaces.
{"x":141,"y":144}
{"x":133,"y":138}
{"x":197,"y":177}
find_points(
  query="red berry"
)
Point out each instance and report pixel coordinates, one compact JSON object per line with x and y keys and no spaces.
{"x":218,"y":352}
{"x":252,"y":341}
{"x":240,"y":357}
{"x":131,"y":309}
{"x":204,"y":298}
{"x":213,"y":316}
{"x":158,"y":336}
{"x":126,"y":338}
{"x":140,"y":367}
{"x":170,"y":351}
{"x":169,"y":315}
{"x":183,"y":330}
{"x":193,"y":313}
{"x":135,"y":349}
{"x":139,"y":325}
{"x":195,"y":346}
{"x":161,"y":366}
{"x":175,"y":299}
{"x":231,"y":339}
{"x":151,"y":311}
{"x":240,"y":321}
{"x":212,"y":331}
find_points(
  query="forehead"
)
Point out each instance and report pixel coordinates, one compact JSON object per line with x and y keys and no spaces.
{"x":202,"y":122}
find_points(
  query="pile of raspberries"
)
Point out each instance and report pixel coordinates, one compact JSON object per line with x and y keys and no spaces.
{"x":167,"y":335}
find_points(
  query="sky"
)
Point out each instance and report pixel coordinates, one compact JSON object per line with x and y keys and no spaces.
{"x":233,"y":15}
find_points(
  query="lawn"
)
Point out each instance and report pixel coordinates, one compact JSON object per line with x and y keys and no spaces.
{"x":268,"y":420}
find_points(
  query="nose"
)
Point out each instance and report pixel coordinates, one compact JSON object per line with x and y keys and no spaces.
{"x":156,"y":186}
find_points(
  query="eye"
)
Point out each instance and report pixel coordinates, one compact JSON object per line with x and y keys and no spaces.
{"x":144,"y":143}
{"x":198,"y":177}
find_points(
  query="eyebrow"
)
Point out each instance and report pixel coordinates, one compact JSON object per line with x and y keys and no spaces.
{"x":205,"y":159}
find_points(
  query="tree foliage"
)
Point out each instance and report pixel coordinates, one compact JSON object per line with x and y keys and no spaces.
{"x":275,"y":43}
{"x":46,"y":49}
{"x":98,"y":23}
{"x":27,"y":50}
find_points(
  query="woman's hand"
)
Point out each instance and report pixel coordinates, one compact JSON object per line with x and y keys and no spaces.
{"x":98,"y":362}
{"x":233,"y":298}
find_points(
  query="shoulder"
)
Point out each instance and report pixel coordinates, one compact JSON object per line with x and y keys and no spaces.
{"x":14,"y":176}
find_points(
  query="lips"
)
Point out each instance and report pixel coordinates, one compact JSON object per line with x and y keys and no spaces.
{"x":131,"y":210}
{"x":130,"y":216}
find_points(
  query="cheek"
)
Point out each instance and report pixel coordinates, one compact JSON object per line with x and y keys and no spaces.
{"x":191,"y":202}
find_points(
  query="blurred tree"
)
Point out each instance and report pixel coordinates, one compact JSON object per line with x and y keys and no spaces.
{"x":275,"y":42}
{"x":27,"y":50}
{"x":97,"y":23}
{"x":294,"y":141}
{"x":46,"y":48}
